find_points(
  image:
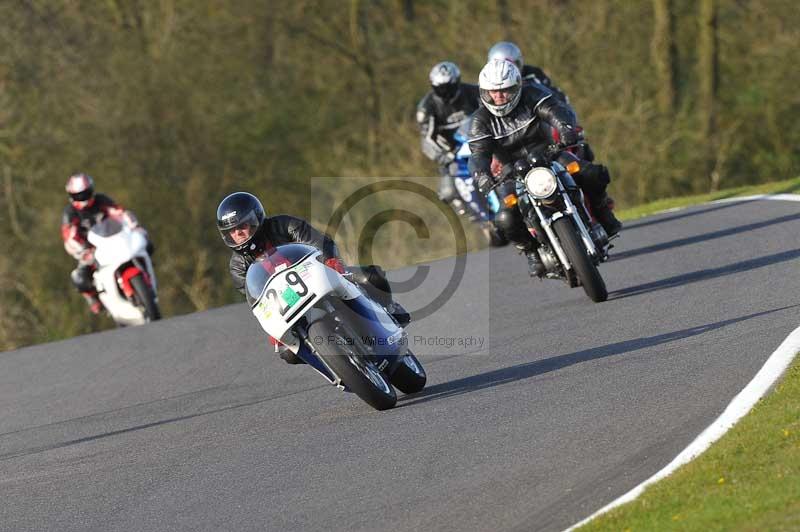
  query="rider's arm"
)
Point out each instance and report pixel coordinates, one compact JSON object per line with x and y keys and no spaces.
{"x":559,"y":115}
{"x":433,"y":146}
{"x":112,"y":208}
{"x":294,"y":229}
{"x":238,"y":268}
{"x":75,"y":243}
{"x":481,"y":145}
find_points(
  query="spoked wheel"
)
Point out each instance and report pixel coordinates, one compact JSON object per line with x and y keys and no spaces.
{"x":584,"y":268}
{"x":409,"y":376}
{"x":345,"y":354}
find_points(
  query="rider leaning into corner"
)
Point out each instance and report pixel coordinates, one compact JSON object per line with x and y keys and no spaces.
{"x":250,"y":234}
{"x":513,"y":122}
{"x":85,"y":208}
{"x":439,"y":114}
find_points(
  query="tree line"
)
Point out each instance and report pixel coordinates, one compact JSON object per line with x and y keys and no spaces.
{"x":171,"y":104}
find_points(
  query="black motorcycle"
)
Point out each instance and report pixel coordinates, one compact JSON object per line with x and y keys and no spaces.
{"x":572,"y":243}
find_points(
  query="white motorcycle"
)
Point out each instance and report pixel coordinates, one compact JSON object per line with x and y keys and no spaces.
{"x":329,"y":323}
{"x":124,"y":279}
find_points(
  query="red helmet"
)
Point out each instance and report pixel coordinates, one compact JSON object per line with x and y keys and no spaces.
{"x":80,"y":188}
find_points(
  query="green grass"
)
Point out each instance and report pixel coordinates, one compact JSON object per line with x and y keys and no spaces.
{"x":748,"y":480}
{"x":779,"y":187}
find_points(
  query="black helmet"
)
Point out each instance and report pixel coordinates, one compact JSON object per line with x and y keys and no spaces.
{"x":239,"y":217}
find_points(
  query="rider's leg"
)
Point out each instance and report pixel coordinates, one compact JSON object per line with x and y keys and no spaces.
{"x":593,"y":180}
{"x":373,"y":279}
{"x":82,"y":279}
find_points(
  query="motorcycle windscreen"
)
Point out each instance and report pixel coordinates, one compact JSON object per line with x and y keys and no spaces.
{"x":107,"y":227}
{"x":275,"y":260}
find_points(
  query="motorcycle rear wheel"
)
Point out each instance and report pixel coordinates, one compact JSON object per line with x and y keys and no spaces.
{"x":345,"y":354}
{"x":145,"y":296}
{"x":585,"y":269}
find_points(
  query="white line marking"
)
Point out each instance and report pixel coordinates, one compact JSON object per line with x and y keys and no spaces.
{"x":769,"y":373}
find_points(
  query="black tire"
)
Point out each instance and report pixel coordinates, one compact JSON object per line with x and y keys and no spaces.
{"x":585,"y":269}
{"x":494,"y":235}
{"x":146,"y":298}
{"x":407,"y":379}
{"x":345,"y":356}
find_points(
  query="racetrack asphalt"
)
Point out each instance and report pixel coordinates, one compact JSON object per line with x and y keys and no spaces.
{"x":541,"y":406}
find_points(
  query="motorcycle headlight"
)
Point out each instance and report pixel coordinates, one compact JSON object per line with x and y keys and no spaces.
{"x":541,"y":183}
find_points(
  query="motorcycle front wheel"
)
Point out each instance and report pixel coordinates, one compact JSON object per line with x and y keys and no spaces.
{"x":345,"y":354}
{"x":585,"y":269}
{"x":146,"y":298}
{"x":409,"y":377}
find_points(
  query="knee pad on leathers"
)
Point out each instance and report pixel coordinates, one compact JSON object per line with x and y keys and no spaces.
{"x":593,"y":180}
{"x":513,"y":226}
{"x":447,"y":189}
{"x":374,"y":281}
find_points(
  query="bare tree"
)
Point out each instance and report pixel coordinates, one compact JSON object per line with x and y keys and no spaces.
{"x":707,"y":72}
{"x":662,"y":50}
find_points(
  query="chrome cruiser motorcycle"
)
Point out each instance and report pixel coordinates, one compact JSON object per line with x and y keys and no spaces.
{"x":572,"y":243}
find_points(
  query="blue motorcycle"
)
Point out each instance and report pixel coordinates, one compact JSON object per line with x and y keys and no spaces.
{"x":472,"y":203}
{"x":328,"y":322}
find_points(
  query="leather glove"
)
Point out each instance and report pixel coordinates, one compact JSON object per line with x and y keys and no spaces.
{"x":87,"y":257}
{"x":335,"y":263}
{"x":496,"y":166}
{"x":484,"y":182}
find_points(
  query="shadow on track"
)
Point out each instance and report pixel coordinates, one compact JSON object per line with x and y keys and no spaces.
{"x":704,"y":237}
{"x":684,"y":213}
{"x":531,"y":369}
{"x":230,"y":397}
{"x":702,"y":275}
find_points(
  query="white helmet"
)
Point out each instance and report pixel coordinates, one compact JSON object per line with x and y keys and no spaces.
{"x":445,"y":80}
{"x":508,"y":51}
{"x":500,"y":75}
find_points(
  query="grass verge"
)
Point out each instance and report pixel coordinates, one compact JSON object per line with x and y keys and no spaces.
{"x":748,"y":480}
{"x":789,"y":186}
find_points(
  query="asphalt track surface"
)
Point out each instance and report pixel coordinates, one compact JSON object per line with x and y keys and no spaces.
{"x":189,"y":424}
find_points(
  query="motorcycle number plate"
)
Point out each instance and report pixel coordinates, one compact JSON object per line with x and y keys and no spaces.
{"x":285,"y":294}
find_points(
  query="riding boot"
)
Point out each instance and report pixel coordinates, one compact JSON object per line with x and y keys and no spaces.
{"x":606,"y":217}
{"x":535,"y":265}
{"x":399,"y":313}
{"x":95,"y":306}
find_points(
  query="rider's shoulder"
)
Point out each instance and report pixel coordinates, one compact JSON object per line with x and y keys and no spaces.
{"x":426,"y":101}
{"x":480,"y":118}
{"x":103,"y":199}
{"x":535,"y":93}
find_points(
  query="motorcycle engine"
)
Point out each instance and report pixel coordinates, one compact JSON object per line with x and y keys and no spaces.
{"x":549,"y":258}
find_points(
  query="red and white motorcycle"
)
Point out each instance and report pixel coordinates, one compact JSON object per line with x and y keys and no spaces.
{"x":124,"y":278}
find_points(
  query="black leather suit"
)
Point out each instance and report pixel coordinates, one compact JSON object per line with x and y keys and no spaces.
{"x":285,"y":229}
{"x":525,"y":130}
{"x":438,"y":120}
